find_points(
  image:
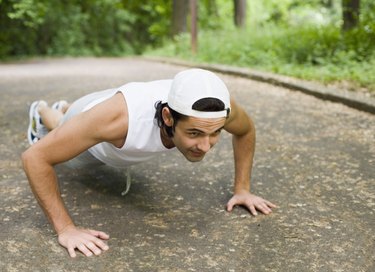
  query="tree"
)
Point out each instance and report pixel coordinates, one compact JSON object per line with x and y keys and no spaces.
{"x":194,"y":25}
{"x":327,"y":3}
{"x":240,"y":13}
{"x":180,"y":10}
{"x":350,"y":13}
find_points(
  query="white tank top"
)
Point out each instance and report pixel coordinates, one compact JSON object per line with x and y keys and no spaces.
{"x":143,"y":140}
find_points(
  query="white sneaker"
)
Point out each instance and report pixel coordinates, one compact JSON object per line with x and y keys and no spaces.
{"x":36,"y":129}
{"x":59,"y":105}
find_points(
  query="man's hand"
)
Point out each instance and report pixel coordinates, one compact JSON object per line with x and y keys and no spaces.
{"x":250,"y":201}
{"x":85,"y":240}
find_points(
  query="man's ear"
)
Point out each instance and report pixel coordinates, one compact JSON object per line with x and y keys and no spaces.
{"x":167,"y":117}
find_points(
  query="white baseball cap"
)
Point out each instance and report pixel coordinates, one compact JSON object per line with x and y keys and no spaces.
{"x":191,"y":85}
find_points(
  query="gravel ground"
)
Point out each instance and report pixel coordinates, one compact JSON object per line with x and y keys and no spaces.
{"x":314,"y":159}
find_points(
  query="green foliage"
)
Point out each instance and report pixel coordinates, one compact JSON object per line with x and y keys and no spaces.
{"x":295,"y":37}
{"x":323,"y":53}
{"x":88,"y":27}
{"x":215,"y":14}
{"x":151,"y":22}
{"x":30,"y":12}
{"x":292,"y":37}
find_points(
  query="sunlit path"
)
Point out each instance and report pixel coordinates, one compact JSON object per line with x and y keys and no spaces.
{"x":314,"y":159}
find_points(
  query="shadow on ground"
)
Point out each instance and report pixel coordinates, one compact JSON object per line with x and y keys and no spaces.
{"x":315,"y":159}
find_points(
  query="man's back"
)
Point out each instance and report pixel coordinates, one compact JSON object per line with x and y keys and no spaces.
{"x":143,"y":137}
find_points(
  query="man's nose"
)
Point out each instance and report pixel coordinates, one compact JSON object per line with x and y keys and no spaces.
{"x":204,"y":144}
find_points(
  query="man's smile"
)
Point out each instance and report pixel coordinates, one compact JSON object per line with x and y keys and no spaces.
{"x":197,"y":153}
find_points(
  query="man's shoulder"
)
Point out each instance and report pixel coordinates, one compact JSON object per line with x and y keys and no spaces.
{"x":150,"y":86}
{"x":146,"y":92}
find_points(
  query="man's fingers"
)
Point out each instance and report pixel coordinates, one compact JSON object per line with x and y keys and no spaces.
{"x":88,"y":242}
{"x":99,"y":234}
{"x":84,"y":250}
{"x":269,"y":204}
{"x":94,"y":248}
{"x":252,"y":210}
{"x":72,"y":252}
{"x":263,"y":207}
{"x":253,"y":203}
{"x":88,"y":248}
{"x":101,"y":244}
{"x":229,"y":207}
{"x":94,"y":245}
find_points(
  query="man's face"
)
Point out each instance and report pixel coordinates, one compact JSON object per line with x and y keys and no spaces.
{"x":194,"y":137}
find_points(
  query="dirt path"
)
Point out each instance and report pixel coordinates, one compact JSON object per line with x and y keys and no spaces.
{"x":315,"y":159}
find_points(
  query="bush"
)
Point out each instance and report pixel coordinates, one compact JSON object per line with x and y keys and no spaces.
{"x":323,"y":53}
{"x":53,"y":27}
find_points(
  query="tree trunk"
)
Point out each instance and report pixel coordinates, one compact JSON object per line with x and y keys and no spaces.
{"x":240,"y":13}
{"x":350,"y":13}
{"x":194,"y":25}
{"x":180,"y":11}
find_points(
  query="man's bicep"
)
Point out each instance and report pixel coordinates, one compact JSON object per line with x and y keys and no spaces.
{"x":68,"y":140}
{"x":105,"y":122}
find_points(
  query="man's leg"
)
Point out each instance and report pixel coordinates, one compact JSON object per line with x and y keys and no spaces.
{"x":42,"y":119}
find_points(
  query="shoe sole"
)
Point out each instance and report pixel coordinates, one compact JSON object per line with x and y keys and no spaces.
{"x":30,"y":134}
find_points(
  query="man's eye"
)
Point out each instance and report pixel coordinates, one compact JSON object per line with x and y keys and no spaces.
{"x":217,"y":132}
{"x":193,"y":134}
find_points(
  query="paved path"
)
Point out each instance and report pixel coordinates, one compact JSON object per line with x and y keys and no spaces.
{"x":315,"y":159}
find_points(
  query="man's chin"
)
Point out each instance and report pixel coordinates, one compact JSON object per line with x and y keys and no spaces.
{"x":194,"y":158}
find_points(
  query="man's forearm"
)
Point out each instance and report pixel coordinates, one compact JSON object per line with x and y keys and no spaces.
{"x":243,"y":148}
{"x":43,"y":182}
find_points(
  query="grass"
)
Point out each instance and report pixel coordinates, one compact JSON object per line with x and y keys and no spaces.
{"x":318,"y":54}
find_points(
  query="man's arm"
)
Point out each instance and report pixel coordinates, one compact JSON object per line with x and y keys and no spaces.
{"x":62,"y":144}
{"x":242,"y":128}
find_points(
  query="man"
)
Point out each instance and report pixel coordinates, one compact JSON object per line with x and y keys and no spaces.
{"x":131,"y":124}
